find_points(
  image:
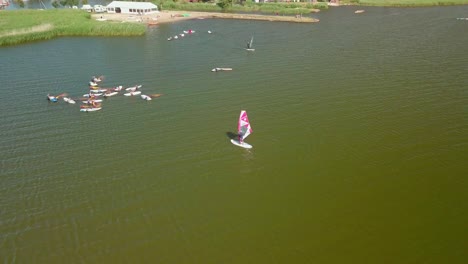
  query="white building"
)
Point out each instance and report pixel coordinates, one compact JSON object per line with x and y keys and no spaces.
{"x":99,"y":8}
{"x":126,"y":7}
{"x":88,"y":8}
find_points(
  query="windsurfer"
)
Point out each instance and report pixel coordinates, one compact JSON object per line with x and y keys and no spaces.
{"x":248,"y":45}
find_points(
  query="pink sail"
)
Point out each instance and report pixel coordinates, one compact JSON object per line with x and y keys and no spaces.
{"x":243,"y":127}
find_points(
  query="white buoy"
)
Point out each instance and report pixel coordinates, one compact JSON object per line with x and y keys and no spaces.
{"x":209,"y":31}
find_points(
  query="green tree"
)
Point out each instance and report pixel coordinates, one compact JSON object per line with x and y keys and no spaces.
{"x":224,"y":4}
{"x":69,"y":3}
{"x":20,"y":3}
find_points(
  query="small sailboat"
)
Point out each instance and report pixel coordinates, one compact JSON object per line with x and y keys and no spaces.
{"x":244,"y":130}
{"x":249,"y":45}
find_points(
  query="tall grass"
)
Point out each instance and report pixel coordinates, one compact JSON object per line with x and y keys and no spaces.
{"x":405,"y":3}
{"x":20,"y":26}
{"x":249,"y":6}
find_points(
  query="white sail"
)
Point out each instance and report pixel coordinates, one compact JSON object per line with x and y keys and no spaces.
{"x":250,"y":45}
{"x":243,"y":127}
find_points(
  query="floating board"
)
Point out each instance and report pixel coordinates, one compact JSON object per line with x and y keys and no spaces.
{"x":90,"y":109}
{"x":91,"y":101}
{"x":146,"y":97}
{"x":242,"y":145}
{"x":95,"y":94}
{"x":221,"y":69}
{"x":97,"y":91}
{"x":110,"y":94}
{"x":250,"y":49}
{"x":133,"y":88}
{"x":132,"y":93}
{"x":69,"y":100}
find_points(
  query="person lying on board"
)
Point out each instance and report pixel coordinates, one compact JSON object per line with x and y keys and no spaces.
{"x":54,"y":98}
{"x":51,"y":98}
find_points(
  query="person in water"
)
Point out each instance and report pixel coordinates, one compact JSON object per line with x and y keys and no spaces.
{"x":53,"y":98}
{"x":95,"y":79}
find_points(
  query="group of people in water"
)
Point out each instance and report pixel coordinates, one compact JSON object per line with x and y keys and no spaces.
{"x":91,"y":101}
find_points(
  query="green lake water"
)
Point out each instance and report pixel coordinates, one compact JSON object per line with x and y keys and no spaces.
{"x":360,"y":144}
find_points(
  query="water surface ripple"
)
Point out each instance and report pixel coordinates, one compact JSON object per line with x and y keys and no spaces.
{"x":360,"y":145}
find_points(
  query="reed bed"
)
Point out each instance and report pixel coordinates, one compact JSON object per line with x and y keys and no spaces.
{"x":405,"y":3}
{"x":21,"y":26}
{"x":271,"y":8}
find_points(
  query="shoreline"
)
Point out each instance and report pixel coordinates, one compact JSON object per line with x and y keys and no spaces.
{"x":165,"y":16}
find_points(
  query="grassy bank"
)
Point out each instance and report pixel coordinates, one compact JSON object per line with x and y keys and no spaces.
{"x":21,"y":26}
{"x":248,"y":6}
{"x":405,"y":3}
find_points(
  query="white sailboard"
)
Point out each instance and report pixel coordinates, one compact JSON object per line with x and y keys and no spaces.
{"x":244,"y":129}
{"x":250,"y":45}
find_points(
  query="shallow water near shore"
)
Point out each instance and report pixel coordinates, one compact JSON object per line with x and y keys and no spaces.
{"x":359,"y":144}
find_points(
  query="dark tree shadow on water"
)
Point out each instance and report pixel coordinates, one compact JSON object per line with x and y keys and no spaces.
{"x":232,"y":135}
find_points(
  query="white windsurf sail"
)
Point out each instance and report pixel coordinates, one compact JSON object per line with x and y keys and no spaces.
{"x":250,"y":44}
{"x":243,"y":127}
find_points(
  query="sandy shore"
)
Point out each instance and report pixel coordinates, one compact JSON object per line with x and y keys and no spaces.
{"x":174,"y":16}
